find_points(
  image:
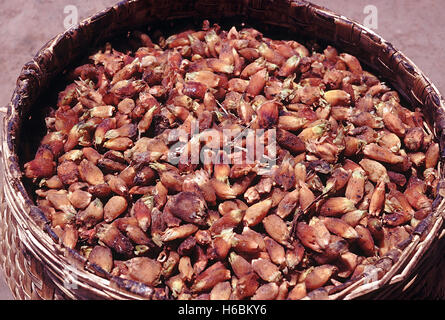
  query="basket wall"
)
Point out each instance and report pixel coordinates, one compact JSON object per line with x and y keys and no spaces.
{"x":37,"y":267}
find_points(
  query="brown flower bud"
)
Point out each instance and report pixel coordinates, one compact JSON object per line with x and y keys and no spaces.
{"x":185,"y":268}
{"x":114,"y":208}
{"x":179,"y":232}
{"x":375,"y":171}
{"x":210,"y":277}
{"x":267,"y":114}
{"x":42,"y":166}
{"x":145,"y":270}
{"x":340,"y":228}
{"x":80,"y":199}
{"x":308,"y":236}
{"x":377,"y":199}
{"x":336,"y":206}
{"x":319,"y":276}
{"x":256,"y":213}
{"x":113,"y":238}
{"x":246,"y":286}
{"x":356,"y":186}
{"x":70,"y":236}
{"x":298,"y":292}
{"x":365,"y":240}
{"x":240,"y":266}
{"x":432,"y":156}
{"x":414,"y":139}
{"x":381,"y":154}
{"x":337,"y":97}
{"x":354,"y":217}
{"x":268,"y":291}
{"x":90,"y":173}
{"x":188,"y":206}
{"x":266,"y":270}
{"x":221,"y":291}
{"x":68,"y":172}
{"x":119,"y":144}
{"x":294,"y":255}
{"x":276,"y":252}
{"x":102,"y":257}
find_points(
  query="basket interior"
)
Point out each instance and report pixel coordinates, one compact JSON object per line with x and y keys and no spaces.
{"x":31,"y":124}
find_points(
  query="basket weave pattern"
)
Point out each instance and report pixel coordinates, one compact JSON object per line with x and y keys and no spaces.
{"x":37,"y":267}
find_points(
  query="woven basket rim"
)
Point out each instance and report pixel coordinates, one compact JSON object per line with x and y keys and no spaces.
{"x":39,"y":238}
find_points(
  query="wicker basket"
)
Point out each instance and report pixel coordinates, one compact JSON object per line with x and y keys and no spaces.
{"x":37,"y":267}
